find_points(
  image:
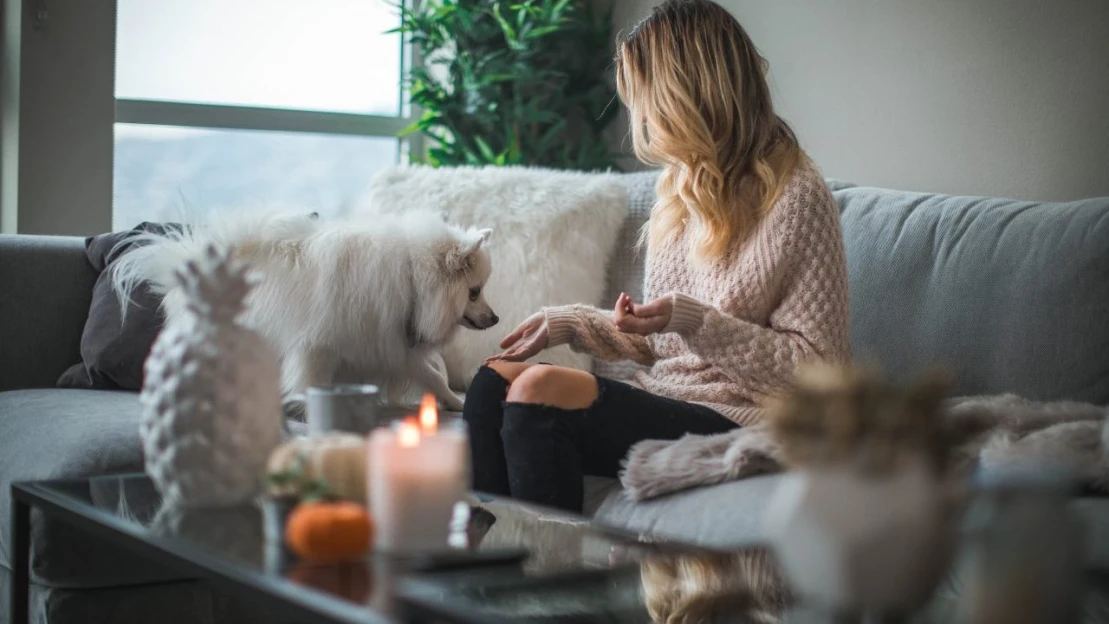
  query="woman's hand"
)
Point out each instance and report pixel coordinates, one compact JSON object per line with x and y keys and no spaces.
{"x":530,"y":338}
{"x":643,"y":318}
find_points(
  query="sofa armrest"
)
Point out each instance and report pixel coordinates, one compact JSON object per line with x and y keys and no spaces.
{"x":45,"y":290}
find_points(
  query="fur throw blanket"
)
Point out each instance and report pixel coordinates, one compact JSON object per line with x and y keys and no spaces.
{"x":988,"y":433}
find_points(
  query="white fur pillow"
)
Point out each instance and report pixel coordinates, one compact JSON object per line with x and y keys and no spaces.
{"x":553,"y":235}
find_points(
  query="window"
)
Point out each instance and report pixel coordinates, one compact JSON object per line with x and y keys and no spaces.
{"x":254,"y":103}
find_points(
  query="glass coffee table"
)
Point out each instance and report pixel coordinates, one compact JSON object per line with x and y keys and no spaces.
{"x":520,"y":564}
{"x":237,"y":550}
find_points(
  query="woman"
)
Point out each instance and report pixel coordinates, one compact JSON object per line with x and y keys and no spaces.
{"x":746,"y":276}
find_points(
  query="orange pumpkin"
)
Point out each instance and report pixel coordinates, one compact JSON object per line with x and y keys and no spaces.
{"x":329,"y":531}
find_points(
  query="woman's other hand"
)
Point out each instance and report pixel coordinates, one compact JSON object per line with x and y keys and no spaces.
{"x":642,"y":318}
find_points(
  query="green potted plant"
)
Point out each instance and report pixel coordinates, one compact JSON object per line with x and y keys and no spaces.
{"x":511,"y":82}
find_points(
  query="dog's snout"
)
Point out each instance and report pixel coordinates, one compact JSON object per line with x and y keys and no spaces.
{"x":483,"y":320}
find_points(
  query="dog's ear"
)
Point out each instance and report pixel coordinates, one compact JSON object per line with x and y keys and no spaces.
{"x":460,"y":256}
{"x":483,"y":237}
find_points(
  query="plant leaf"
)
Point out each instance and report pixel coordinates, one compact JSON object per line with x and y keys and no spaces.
{"x":512,"y":81}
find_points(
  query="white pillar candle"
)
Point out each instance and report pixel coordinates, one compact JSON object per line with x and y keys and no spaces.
{"x":417,"y":471}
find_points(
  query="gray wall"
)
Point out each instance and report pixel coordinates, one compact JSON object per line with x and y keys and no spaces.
{"x":980,"y":97}
{"x":58,"y":109}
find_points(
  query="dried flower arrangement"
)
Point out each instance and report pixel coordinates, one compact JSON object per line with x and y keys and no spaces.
{"x":852,"y":416}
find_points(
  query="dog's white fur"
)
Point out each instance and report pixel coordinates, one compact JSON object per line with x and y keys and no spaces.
{"x":556,"y":234}
{"x":343,"y":300}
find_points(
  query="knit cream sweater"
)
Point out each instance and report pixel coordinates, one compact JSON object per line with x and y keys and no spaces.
{"x":741,"y":324}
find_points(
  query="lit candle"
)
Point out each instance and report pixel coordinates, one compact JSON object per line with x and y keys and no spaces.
{"x":417,"y":472}
{"x":429,"y":414}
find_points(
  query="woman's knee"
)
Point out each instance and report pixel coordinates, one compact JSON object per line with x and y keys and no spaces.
{"x":509,"y":371}
{"x":554,"y":386}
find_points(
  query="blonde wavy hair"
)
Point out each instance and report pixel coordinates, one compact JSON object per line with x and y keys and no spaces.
{"x":741,"y":586}
{"x":700,"y":106}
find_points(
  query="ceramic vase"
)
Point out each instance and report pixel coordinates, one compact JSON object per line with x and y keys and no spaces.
{"x":853,"y":541}
{"x":211,"y":393}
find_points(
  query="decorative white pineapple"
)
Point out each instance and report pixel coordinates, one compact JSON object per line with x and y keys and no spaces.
{"x":211,"y":393}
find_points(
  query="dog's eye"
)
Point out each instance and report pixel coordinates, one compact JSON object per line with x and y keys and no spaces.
{"x":475,"y":293}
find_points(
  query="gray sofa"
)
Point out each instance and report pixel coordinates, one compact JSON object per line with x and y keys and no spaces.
{"x":1011,"y":296}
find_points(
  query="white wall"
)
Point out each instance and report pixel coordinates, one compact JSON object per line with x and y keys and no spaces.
{"x":58,"y":112}
{"x":982,"y":97}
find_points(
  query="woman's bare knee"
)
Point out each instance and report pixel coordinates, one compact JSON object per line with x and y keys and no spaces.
{"x":509,"y":371}
{"x":565,"y":388}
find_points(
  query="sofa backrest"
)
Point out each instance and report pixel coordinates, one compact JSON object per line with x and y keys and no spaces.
{"x":625,"y":270}
{"x":45,"y":289}
{"x":1009,"y":296}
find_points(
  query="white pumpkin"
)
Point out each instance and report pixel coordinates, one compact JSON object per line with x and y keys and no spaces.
{"x":337,"y":460}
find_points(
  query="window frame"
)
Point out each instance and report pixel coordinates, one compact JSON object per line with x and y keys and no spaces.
{"x":61,"y":75}
{"x":230,"y":117}
{"x":190,"y":115}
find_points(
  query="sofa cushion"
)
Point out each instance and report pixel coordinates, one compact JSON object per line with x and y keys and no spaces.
{"x":71,"y":434}
{"x":55,"y":434}
{"x":1010,"y":296}
{"x":731,"y":514}
{"x":718,"y":516}
{"x":46,"y":283}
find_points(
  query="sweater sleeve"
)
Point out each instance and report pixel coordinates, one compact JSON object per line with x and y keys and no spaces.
{"x":809,"y":323}
{"x":590,"y":330}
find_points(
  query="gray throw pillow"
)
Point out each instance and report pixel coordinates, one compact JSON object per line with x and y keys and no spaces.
{"x":112,"y":351}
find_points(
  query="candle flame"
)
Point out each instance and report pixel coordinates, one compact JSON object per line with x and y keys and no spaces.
{"x":408,"y":435}
{"x":429,"y":414}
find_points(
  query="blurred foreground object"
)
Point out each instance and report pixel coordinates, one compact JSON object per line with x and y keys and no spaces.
{"x":862,"y":523}
{"x":1022,"y":555}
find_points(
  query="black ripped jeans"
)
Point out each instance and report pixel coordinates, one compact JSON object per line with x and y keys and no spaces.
{"x":539,"y":453}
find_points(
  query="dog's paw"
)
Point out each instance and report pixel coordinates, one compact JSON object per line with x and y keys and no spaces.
{"x":452,"y":403}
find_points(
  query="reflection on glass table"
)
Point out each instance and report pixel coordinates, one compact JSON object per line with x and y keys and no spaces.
{"x":740,"y":586}
{"x":574,"y":570}
{"x":243,"y":543}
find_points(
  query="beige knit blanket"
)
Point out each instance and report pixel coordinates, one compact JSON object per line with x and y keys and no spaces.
{"x":990,"y":433}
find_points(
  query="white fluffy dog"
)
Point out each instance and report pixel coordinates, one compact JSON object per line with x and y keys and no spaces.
{"x":366,"y":300}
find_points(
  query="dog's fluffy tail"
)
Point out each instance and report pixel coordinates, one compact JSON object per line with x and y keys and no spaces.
{"x":154,"y":259}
